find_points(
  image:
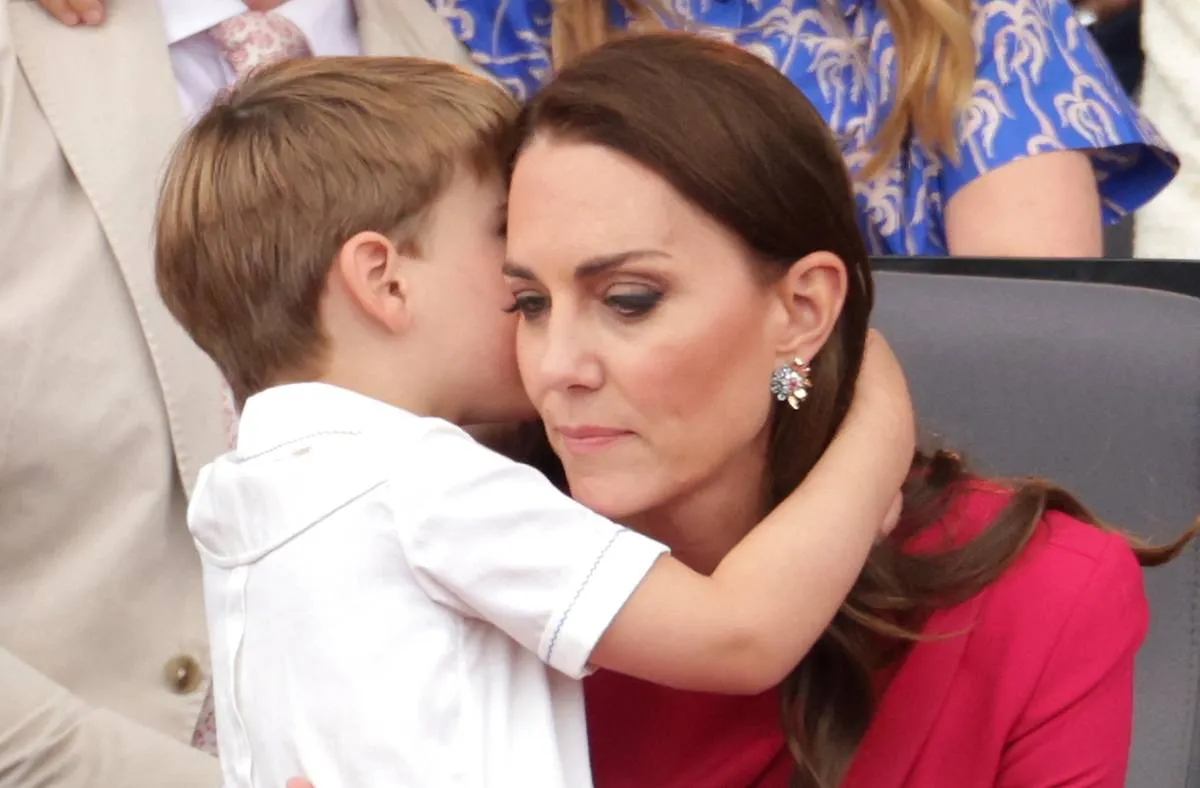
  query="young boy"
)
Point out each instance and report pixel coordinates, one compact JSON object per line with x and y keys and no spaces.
{"x":384,"y":594}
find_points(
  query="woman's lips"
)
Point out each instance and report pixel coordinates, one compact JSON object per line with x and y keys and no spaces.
{"x":588,"y":438}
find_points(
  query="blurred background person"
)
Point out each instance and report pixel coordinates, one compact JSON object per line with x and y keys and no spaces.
{"x":1018,"y":146}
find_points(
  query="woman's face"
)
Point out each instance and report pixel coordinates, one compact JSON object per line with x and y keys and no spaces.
{"x":646,"y":340}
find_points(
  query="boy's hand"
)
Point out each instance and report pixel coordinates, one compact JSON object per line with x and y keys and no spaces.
{"x":299,"y":782}
{"x":75,"y":12}
{"x":881,"y":397}
{"x":882,"y":403}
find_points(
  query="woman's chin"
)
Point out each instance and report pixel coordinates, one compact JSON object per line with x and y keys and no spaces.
{"x":617,"y":496}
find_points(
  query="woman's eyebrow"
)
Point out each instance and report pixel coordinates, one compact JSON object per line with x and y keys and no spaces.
{"x":590,"y":268}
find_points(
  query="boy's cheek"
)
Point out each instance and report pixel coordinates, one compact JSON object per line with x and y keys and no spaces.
{"x":516,"y":404}
{"x":502,"y":404}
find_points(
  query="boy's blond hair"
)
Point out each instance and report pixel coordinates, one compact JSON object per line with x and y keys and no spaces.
{"x":283,"y":170}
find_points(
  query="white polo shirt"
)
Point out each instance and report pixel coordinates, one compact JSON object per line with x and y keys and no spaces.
{"x":384,"y":596}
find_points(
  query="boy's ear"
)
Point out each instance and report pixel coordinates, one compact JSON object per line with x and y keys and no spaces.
{"x":371,"y":271}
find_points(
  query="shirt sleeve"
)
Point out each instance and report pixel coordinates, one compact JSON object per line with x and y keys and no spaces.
{"x":1042,"y":85}
{"x":498,"y":542}
{"x":1077,"y":728}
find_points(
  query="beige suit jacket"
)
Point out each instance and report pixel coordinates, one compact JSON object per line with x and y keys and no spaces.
{"x":107,"y":410}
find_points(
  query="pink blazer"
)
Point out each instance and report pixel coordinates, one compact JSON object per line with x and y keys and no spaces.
{"x":1034,"y":688}
{"x":1040,"y":690}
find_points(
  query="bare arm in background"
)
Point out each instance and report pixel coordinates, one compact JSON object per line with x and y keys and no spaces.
{"x":1042,"y":206}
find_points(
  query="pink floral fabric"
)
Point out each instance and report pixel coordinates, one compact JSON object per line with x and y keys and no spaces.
{"x":254,"y":39}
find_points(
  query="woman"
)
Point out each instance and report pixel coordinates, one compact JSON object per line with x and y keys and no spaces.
{"x":973,"y":127}
{"x":991,"y":642}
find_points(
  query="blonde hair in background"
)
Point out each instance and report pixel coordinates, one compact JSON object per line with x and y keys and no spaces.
{"x":579,"y":26}
{"x":283,"y":170}
{"x":935,"y":63}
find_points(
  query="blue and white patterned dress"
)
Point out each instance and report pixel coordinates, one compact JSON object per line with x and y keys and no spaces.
{"x":1041,"y":85}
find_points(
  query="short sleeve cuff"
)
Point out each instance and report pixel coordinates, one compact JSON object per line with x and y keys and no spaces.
{"x":619,"y":568}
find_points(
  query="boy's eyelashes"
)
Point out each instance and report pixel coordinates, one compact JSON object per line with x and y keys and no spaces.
{"x":502,"y":220}
{"x":528,"y":303}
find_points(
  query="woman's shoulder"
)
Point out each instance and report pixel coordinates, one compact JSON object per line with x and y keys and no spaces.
{"x":977,"y":504}
{"x":1068,"y":569}
{"x":1032,"y":675}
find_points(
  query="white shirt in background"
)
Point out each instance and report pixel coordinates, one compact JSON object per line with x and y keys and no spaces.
{"x":384,"y":596}
{"x":331,"y":27}
{"x":1167,"y":227}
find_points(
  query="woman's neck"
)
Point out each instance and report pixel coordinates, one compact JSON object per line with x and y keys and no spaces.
{"x":705,"y":522}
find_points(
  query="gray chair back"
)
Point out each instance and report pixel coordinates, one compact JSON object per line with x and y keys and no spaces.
{"x":1098,"y":388}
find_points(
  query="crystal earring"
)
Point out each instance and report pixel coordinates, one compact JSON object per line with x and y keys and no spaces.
{"x":791,"y":382}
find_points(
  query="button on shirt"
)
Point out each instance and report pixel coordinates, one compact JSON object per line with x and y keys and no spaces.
{"x":201,"y":72}
{"x":385,"y":596}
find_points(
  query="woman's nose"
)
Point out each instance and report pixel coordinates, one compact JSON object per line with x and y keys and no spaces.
{"x":567,"y":357}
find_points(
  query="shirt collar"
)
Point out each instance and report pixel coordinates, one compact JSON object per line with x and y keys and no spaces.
{"x":185,"y":18}
{"x":291,"y":412}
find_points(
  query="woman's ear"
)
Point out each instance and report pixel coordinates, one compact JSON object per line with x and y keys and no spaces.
{"x":811,"y":295}
{"x":370,"y":271}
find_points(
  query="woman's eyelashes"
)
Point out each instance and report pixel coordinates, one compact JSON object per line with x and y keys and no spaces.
{"x":632,"y":303}
{"x":627,"y":303}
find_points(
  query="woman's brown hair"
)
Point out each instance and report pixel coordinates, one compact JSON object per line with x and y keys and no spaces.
{"x":738,"y":140}
{"x":935,"y":62}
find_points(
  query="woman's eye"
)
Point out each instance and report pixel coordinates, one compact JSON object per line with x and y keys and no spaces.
{"x":633,"y":303}
{"x":529,"y":305}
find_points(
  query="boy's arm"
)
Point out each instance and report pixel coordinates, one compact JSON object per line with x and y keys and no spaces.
{"x":494,"y":540}
{"x":743,"y":629}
